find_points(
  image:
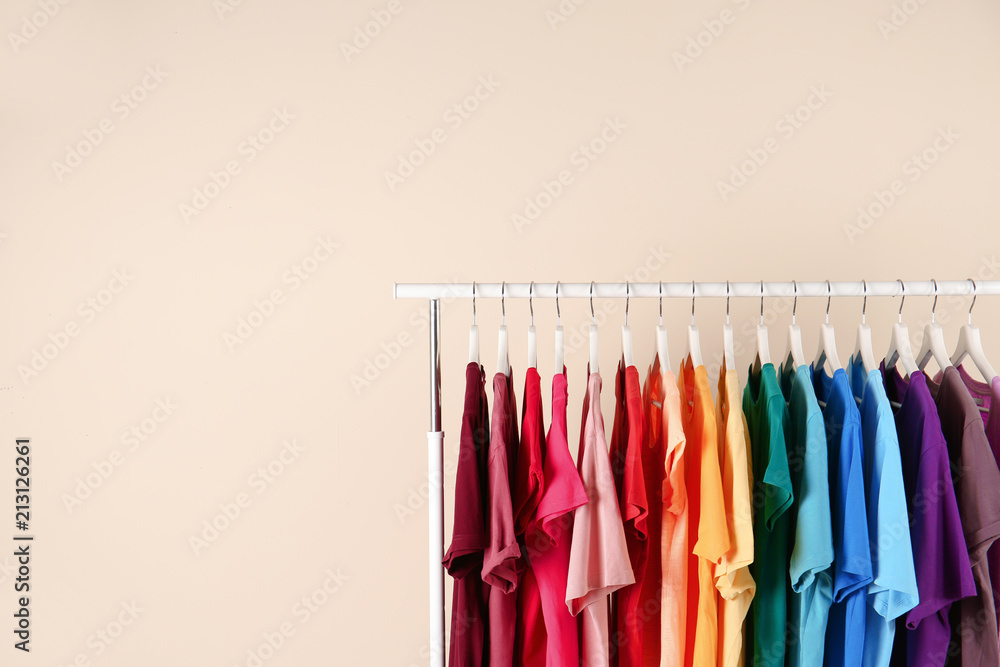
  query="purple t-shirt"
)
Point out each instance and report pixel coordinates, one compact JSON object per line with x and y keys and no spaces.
{"x":987,"y":398}
{"x":464,"y":560}
{"x":940,"y":557}
{"x":977,"y":489}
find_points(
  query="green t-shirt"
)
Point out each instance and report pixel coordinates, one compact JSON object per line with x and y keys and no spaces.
{"x":767,"y":419}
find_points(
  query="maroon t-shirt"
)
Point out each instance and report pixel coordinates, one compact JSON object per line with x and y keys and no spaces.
{"x":464,"y":560}
{"x":502,"y":561}
{"x":977,"y":489}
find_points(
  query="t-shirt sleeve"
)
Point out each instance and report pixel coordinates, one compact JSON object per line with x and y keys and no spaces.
{"x":501,"y":560}
{"x":893,"y":591}
{"x":981,"y":488}
{"x":713,"y":529}
{"x":938,"y":539}
{"x":777,"y":481}
{"x":853,"y":565}
{"x":468,"y":528}
{"x":812,"y":552}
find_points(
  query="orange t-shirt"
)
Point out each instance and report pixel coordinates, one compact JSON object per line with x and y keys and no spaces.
{"x":736,"y":586}
{"x":707,"y":515}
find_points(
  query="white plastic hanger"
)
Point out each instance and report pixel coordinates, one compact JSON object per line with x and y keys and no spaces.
{"x":503,"y":359}
{"x":970,"y":344}
{"x":474,"y":332}
{"x":661,"y":339}
{"x":827,"y":352}
{"x":763,"y":348}
{"x":933,"y":343}
{"x":728,"y":343}
{"x":532,"y":338}
{"x":693,"y":337}
{"x":594,"y":356}
{"x":899,"y":341}
{"x":560,"y":361}
{"x":627,"y":334}
{"x":863,"y":343}
{"x":795,"y":352}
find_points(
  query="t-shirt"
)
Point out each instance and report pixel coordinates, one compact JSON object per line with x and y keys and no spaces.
{"x":502,"y":563}
{"x":529,"y":638}
{"x":464,"y":559}
{"x":626,"y":464}
{"x":767,"y":418}
{"x":707,"y":515}
{"x":940,"y":557}
{"x":650,"y":601}
{"x":810,"y":571}
{"x":987,"y":397}
{"x":674,"y":540}
{"x":732,"y":574}
{"x":977,"y":490}
{"x":549,"y":550}
{"x":598,"y":559}
{"x":893,"y":591}
{"x":852,"y":567}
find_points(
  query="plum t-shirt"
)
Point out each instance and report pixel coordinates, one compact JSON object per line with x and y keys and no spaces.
{"x":940,"y":558}
{"x":626,"y":464}
{"x":528,"y":488}
{"x":977,"y":489}
{"x":987,"y":397}
{"x":549,"y":546}
{"x":598,"y":560}
{"x":464,"y":560}
{"x":502,"y":563}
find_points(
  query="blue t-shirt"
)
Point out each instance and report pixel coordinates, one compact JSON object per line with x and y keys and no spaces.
{"x":810,"y":574}
{"x":893,"y":592}
{"x":852,"y":566}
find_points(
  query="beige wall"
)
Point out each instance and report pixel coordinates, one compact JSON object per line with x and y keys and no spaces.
{"x":200,"y":78}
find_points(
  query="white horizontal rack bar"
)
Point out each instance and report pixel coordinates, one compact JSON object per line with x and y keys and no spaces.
{"x":875,"y":288}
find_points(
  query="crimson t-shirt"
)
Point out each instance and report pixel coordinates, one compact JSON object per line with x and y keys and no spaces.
{"x":464,"y":560}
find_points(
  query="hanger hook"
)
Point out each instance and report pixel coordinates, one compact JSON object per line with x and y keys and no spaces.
{"x":902,"y":294}
{"x":558,"y":314}
{"x":974,"y":290}
{"x":762,"y":303}
{"x":531,"y":307}
{"x":503,"y":308}
{"x":661,"y":303}
{"x":934,"y":305}
{"x":626,"y":302}
{"x":864,"y":302}
{"x":727,"y":302}
{"x":473,"y":303}
{"x":795,"y":298}
{"x":593,"y":320}
{"x":829,"y":293}
{"x":692,"y":302}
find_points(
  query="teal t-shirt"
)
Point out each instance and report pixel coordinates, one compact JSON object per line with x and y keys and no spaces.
{"x":893,"y":591}
{"x":810,"y":571}
{"x":767,"y":422}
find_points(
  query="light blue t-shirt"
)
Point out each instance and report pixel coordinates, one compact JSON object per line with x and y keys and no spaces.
{"x":893,"y":592}
{"x":810,"y":571}
{"x":852,"y":566}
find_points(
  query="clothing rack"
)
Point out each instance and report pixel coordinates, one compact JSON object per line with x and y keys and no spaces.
{"x":434,"y":292}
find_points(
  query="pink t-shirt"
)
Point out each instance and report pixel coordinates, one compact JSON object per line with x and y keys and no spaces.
{"x":549,"y":545}
{"x":674,"y":536}
{"x":503,"y":562}
{"x":598,"y":561}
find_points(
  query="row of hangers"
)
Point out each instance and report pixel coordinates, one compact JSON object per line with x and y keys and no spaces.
{"x":900,"y":352}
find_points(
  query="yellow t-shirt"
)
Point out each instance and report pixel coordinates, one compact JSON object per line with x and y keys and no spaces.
{"x":732,"y":574}
{"x":707,"y":523}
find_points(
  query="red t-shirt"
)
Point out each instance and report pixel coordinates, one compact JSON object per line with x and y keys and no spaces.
{"x":464,"y":560}
{"x":530,"y":637}
{"x":626,"y":464}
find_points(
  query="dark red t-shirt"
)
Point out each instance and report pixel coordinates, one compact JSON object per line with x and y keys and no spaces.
{"x":464,"y":560}
{"x":627,"y":439}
